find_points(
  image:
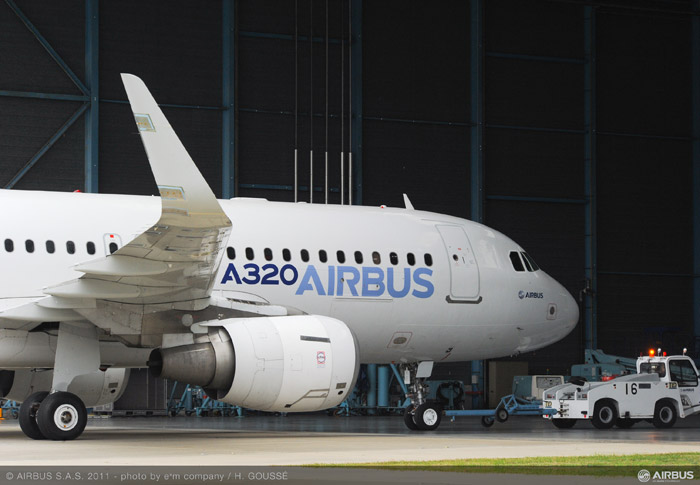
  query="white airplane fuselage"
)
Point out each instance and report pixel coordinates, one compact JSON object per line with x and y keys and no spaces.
{"x":465,"y":302}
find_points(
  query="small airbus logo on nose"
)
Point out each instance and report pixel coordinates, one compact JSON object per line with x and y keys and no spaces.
{"x":530,"y":294}
{"x":521,"y":294}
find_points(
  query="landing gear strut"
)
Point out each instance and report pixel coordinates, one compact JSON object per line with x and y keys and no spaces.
{"x":61,"y":415}
{"x":422,"y":414}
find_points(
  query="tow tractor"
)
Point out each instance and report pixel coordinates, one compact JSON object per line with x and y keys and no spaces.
{"x":664,"y":389}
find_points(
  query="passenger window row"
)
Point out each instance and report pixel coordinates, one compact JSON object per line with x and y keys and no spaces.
{"x":51,"y":246}
{"x":526,"y":263}
{"x":323,"y":256}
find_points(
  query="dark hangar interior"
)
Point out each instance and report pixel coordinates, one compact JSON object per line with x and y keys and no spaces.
{"x":571,"y":126}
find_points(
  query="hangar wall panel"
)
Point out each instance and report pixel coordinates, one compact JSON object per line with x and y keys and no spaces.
{"x":644,"y":312}
{"x":538,"y":28}
{"x":534,"y":163}
{"x":643,"y":73}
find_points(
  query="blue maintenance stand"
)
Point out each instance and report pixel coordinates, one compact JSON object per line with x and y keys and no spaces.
{"x":10,"y":409}
{"x":509,"y":405}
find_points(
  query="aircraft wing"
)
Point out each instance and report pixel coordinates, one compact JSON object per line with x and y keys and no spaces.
{"x":151,"y":285}
{"x":176,"y":259}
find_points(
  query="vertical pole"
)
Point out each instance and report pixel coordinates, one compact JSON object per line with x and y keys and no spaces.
{"x":342,"y":103}
{"x":477,"y":152}
{"x":383,"y":378}
{"x":311,"y":101}
{"x":228,"y":138}
{"x":696,"y":172}
{"x":590,"y":305}
{"x":296,"y":101}
{"x":326,"y":166}
{"x":355,"y":57}
{"x":372,"y":391}
{"x":92,"y":75}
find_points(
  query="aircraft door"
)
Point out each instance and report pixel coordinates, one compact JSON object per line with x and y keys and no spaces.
{"x":464,"y":270}
{"x":112,"y":242}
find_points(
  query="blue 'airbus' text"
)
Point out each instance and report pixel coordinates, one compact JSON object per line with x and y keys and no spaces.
{"x":367,"y":281}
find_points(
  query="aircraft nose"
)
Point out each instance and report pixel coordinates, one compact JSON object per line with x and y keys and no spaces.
{"x":568,"y":309}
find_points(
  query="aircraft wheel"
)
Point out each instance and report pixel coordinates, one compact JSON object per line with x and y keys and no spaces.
{"x":665,"y":415}
{"x":408,"y":418}
{"x":62,"y":416}
{"x":27,"y":415}
{"x":604,"y":414}
{"x":564,"y":423}
{"x":487,"y":421}
{"x":625,"y":423}
{"x":427,"y":416}
{"x":502,"y":415}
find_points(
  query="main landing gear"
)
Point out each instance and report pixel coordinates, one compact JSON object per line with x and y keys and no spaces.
{"x":422,"y":414}
{"x":61,"y":415}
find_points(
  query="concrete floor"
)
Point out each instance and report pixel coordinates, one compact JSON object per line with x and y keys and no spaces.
{"x":307,"y":439}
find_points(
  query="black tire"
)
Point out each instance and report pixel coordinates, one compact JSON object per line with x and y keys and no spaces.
{"x":502,"y":415}
{"x":428,"y":416}
{"x":408,"y":419}
{"x":625,"y":423}
{"x":564,"y":423}
{"x":62,"y":416}
{"x":27,"y":415}
{"x":604,"y":414}
{"x":487,"y":421}
{"x":665,"y":415}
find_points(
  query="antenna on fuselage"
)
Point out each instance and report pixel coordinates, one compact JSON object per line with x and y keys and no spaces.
{"x":407,"y":203}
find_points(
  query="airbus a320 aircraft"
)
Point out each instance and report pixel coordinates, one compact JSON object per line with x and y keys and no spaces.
{"x":270,"y":306}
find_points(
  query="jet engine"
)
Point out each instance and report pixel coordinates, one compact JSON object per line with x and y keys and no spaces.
{"x":285,"y":364}
{"x":94,"y":389}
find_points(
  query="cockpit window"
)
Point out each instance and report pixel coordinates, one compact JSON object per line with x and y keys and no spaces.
{"x":516,"y":261}
{"x":528,"y":259}
{"x":527,"y":263}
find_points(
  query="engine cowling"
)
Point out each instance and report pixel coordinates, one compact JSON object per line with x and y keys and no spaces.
{"x":286,"y":364}
{"x":94,"y":389}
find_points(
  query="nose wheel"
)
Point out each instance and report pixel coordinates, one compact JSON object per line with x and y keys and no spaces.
{"x":60,"y":416}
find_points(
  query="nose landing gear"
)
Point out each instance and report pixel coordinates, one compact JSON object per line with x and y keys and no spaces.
{"x":422,"y":414}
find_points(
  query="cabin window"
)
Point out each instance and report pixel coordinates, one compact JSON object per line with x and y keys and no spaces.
{"x":113,"y":247}
{"x":516,"y":261}
{"x":322,"y":256}
{"x":341,"y":256}
{"x":428,"y":259}
{"x":268,"y":254}
{"x":286,"y":254}
{"x":394,"y":258}
{"x":70,"y":247}
{"x":9,"y":245}
{"x":50,"y":247}
{"x":250,"y":254}
{"x":90,"y":246}
{"x":358,"y":257}
{"x":411,"y":259}
{"x":305,"y":255}
{"x":29,"y":245}
{"x":231,"y":253}
{"x":376,"y":258}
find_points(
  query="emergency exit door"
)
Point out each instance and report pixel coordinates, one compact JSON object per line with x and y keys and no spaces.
{"x":464,"y":271}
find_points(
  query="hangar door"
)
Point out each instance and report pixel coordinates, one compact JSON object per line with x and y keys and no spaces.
{"x":464,"y":271}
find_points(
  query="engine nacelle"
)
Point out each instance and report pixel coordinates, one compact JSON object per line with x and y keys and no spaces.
{"x":94,"y":389}
{"x":286,"y":364}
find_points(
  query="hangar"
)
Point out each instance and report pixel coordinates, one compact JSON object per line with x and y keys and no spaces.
{"x":570,"y":126}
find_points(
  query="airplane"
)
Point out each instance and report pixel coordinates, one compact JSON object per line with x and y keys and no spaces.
{"x":267,"y":305}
